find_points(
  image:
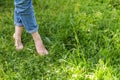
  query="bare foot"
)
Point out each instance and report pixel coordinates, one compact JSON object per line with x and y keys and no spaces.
{"x":18,"y":43}
{"x":41,"y":50}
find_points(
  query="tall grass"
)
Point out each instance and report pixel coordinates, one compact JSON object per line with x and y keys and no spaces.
{"x":83,"y":39}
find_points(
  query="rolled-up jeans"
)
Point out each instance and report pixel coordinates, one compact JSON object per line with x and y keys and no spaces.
{"x":24,"y":15}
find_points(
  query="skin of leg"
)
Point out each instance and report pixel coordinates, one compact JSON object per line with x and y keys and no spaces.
{"x":26,"y":12}
{"x":17,"y":37}
{"x":41,"y":50}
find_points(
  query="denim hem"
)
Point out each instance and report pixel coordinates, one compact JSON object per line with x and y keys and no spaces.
{"x":32,"y":31}
{"x":18,"y":24}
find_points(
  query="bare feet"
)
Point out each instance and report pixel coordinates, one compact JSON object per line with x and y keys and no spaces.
{"x":17,"y":37}
{"x":41,"y":50}
{"x":18,"y":43}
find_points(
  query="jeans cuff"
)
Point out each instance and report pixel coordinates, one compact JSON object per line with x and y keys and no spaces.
{"x":32,"y":31}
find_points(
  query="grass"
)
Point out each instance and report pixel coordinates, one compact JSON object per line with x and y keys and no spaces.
{"x":82,"y":36}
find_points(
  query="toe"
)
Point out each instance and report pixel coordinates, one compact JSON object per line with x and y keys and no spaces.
{"x":46,"y":52}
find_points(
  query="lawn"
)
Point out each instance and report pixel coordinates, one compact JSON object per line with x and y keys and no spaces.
{"x":82,"y":36}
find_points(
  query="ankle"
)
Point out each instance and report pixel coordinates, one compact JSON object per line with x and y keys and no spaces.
{"x":36,"y":37}
{"x":17,"y":37}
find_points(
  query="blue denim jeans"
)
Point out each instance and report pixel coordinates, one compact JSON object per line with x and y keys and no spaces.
{"x":24,"y":15}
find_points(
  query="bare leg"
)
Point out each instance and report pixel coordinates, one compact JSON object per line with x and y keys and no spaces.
{"x":41,"y":50}
{"x":17,"y":37}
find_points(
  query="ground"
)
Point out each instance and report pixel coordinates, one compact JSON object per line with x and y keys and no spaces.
{"x":82,"y":36}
